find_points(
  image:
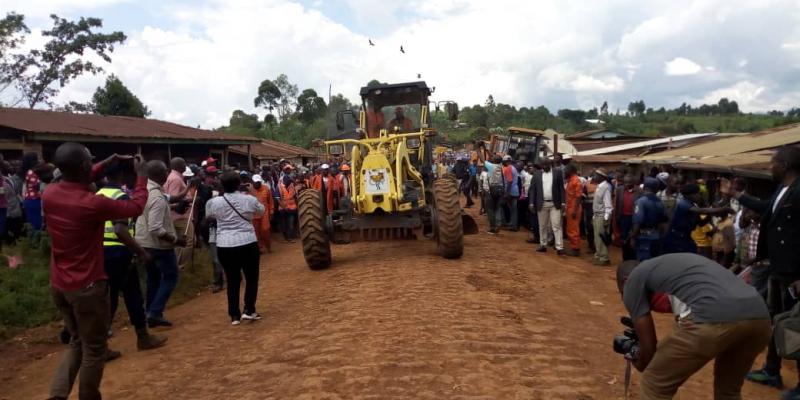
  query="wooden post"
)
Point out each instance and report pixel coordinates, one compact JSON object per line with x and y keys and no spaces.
{"x":224,"y":158}
{"x":555,"y":144}
{"x":169,"y":151}
{"x":249,"y":157}
{"x":138,"y":148}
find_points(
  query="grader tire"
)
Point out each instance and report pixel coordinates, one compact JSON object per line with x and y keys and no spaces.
{"x":450,"y":235}
{"x":316,"y":243}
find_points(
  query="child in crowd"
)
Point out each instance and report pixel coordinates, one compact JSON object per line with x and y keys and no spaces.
{"x":723,"y":243}
{"x":702,"y":236}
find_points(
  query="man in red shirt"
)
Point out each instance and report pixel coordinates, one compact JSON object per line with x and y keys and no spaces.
{"x":75,"y":219}
{"x":624,"y":207}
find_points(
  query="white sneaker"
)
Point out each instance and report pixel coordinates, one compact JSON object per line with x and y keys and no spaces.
{"x":251,"y":317}
{"x":236,"y":322}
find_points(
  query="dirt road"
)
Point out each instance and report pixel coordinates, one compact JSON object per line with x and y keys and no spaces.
{"x":390,"y":320}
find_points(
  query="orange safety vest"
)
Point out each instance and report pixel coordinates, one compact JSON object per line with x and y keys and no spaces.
{"x":288,"y":197}
{"x":264,"y":196}
{"x":333,"y":186}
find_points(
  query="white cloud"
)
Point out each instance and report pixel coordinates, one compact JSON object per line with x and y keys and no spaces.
{"x":680,"y":66}
{"x":196,"y":62}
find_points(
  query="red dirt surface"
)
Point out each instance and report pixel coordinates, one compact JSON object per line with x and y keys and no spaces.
{"x":387,"y":320}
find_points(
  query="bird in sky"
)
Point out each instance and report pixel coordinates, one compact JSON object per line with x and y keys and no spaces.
{"x":370,"y":43}
{"x":401,"y":50}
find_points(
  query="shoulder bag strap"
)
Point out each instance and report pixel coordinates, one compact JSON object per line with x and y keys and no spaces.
{"x":234,"y":209}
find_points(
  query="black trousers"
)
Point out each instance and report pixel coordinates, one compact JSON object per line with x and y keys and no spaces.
{"x":238,"y":261}
{"x":778,"y":300}
{"x":123,"y":277}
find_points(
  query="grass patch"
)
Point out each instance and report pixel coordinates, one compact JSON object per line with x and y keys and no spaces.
{"x":25,"y":292}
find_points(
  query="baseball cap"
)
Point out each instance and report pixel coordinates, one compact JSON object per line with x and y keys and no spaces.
{"x":210,"y":160}
{"x":663,"y":176}
{"x":212,"y":170}
{"x":651,"y":183}
{"x":325,"y":166}
{"x":257,"y":178}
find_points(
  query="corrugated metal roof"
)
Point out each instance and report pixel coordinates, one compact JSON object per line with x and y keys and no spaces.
{"x":600,"y":158}
{"x":767,"y":139}
{"x":586,"y":134}
{"x":533,"y":132}
{"x":273,"y":149}
{"x":42,"y":122}
{"x":645,"y":144}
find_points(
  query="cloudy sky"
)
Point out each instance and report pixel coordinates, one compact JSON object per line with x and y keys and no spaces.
{"x":193,"y":62}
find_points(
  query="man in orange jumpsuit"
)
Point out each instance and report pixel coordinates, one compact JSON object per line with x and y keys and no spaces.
{"x":261,"y":224}
{"x":329,"y":183}
{"x":574,"y":192}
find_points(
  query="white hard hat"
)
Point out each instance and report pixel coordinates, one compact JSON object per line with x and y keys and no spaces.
{"x":325,"y":166}
{"x":187,"y":173}
{"x":257,"y":178}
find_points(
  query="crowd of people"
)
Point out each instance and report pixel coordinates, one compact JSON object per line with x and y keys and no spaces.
{"x":104,"y":219}
{"x":723,"y":261}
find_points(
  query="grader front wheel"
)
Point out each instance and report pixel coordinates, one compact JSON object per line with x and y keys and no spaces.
{"x":316,"y":243}
{"x":450,"y":233}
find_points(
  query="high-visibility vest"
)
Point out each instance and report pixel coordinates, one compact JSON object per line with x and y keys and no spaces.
{"x":109,"y":236}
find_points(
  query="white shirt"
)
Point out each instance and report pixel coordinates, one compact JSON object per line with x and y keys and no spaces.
{"x":484,"y":181}
{"x":778,"y":199}
{"x":232,"y":229}
{"x":602,"y":200}
{"x":547,"y":185}
{"x":526,"y":182}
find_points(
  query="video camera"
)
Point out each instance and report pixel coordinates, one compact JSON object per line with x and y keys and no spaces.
{"x":627,"y":344}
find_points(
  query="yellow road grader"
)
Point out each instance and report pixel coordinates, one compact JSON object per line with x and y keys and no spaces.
{"x":393,"y":193}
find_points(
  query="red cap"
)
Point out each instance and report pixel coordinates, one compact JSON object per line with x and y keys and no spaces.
{"x":212,"y":170}
{"x":210,"y":160}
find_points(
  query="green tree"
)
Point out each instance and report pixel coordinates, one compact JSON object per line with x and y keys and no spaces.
{"x":269,"y":95}
{"x":41,"y":73}
{"x":475,"y":116}
{"x":310,"y":106}
{"x":339,"y":103}
{"x":374,"y":82}
{"x":242,"y":123}
{"x":12,"y":35}
{"x":115,"y":99}
{"x":288,"y":99}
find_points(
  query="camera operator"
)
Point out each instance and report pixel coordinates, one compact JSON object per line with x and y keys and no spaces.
{"x":718,"y":317}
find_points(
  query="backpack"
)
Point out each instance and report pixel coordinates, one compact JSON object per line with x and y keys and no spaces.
{"x":497,"y":187}
{"x":787,"y":333}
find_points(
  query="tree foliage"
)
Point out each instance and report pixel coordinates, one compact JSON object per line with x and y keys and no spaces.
{"x":310,"y":106}
{"x":116,"y":99}
{"x":41,"y":73}
{"x":12,"y":35}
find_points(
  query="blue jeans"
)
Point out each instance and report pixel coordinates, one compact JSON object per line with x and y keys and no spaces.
{"x":33,"y":213}
{"x":647,"y":245}
{"x":512,"y":205}
{"x":162,"y":277}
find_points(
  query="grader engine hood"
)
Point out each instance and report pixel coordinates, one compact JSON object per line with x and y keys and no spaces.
{"x":377,"y":185}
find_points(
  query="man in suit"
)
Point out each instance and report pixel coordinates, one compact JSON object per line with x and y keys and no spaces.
{"x":779,"y":242}
{"x":547,"y":200}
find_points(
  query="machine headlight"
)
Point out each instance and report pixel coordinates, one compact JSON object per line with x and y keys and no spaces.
{"x":336,"y":149}
{"x":413,"y":143}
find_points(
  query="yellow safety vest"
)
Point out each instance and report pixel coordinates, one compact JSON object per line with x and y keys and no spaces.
{"x":109,"y":236}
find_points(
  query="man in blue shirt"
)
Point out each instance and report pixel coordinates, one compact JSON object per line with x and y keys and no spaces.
{"x":648,"y":214}
{"x":678,"y":238}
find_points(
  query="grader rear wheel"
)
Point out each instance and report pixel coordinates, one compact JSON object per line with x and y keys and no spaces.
{"x":450,"y":233}
{"x":316,"y":243}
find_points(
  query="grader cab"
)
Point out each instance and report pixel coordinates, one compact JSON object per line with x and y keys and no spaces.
{"x":392,"y":191}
